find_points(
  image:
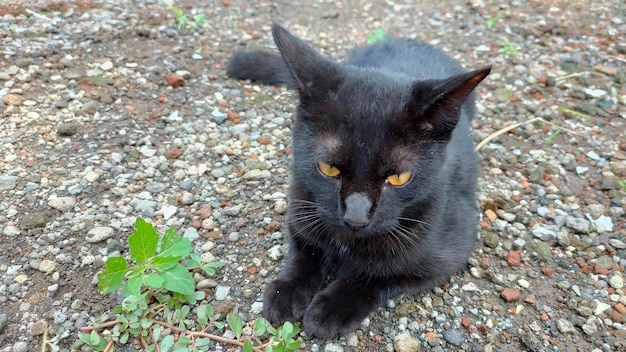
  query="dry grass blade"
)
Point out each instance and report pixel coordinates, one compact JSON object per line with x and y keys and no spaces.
{"x":504,"y":130}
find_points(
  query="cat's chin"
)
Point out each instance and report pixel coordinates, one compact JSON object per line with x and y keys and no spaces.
{"x":352,"y":235}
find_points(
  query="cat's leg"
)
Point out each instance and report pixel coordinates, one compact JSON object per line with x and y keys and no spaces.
{"x":341,"y":307}
{"x":287,"y":297}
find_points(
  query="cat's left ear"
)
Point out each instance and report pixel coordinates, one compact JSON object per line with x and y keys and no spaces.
{"x":439,"y":102}
{"x":313,"y":73}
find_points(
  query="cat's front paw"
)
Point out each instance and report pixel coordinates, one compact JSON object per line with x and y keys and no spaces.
{"x":333,"y":313}
{"x":286,"y":300}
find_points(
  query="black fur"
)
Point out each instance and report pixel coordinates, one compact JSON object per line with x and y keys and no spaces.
{"x":395,"y":106}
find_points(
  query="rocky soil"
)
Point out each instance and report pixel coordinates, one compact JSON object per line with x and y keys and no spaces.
{"x":110,"y":111}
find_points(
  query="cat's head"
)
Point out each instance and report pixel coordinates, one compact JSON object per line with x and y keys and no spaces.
{"x":367,"y":144}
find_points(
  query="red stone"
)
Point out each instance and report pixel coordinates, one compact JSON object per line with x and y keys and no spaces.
{"x":273,"y":226}
{"x":174,"y":80}
{"x":511,"y":294}
{"x":431,"y":335}
{"x":264,"y":139}
{"x":465,"y":321}
{"x":530,"y":299}
{"x":173,"y":153}
{"x":514,"y":258}
{"x":204,"y":212}
{"x":599,"y":269}
{"x":615,"y":316}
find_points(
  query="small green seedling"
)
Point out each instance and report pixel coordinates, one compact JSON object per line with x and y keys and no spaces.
{"x":184,"y":22}
{"x":52,"y":344}
{"x":556,"y":132}
{"x":161,"y":308}
{"x":508,"y":48}
{"x":491,"y":22}
{"x":377,"y":35}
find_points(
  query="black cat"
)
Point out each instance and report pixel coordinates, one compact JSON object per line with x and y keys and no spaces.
{"x":382,"y":197}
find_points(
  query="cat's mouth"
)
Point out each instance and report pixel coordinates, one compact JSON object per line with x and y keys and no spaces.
{"x":357,"y":234}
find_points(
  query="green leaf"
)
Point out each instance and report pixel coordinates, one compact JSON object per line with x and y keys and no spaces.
{"x":294,"y":345}
{"x":213,"y":265}
{"x":153,"y":280}
{"x":234,"y":321}
{"x":173,"y":245}
{"x":184,"y":311}
{"x":179,"y":279}
{"x":156,"y":332}
{"x":167,"y":343}
{"x":287,"y":329}
{"x":112,"y":277}
{"x":145,"y":323}
{"x":181,"y":344}
{"x":94,"y":338}
{"x":548,"y":140}
{"x":143,"y":242}
{"x":124,"y":338}
{"x":199,"y":295}
{"x":259,"y":326}
{"x":134,"y":302}
{"x":219,"y":324}
{"x":85,"y":337}
{"x":247,"y":346}
{"x":203,"y":342}
{"x":204,"y":313}
{"x":377,"y":35}
{"x":193,"y":261}
{"x":133,"y":286}
{"x":164,"y":263}
{"x":295,"y":330}
{"x":209,"y":268}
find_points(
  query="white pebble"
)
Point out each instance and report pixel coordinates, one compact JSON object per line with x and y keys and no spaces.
{"x":616,"y":281}
{"x":47,"y":266}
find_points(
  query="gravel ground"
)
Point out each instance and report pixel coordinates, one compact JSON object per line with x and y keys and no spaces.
{"x":110,"y":111}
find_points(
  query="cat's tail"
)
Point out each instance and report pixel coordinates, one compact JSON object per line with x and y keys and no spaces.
{"x":260,"y":66}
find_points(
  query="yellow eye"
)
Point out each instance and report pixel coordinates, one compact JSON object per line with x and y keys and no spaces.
{"x":399,"y":179}
{"x":328,"y":170}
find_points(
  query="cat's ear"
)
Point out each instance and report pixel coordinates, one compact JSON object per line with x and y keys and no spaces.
{"x":438,"y":103}
{"x":312,"y":73}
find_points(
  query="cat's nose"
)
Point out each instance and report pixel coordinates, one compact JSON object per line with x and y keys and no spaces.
{"x":358,"y":206}
{"x":356,"y":224}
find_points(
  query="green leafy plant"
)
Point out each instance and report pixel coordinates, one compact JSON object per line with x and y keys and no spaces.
{"x":184,"y":22}
{"x":622,"y":183}
{"x":161,"y":308}
{"x":556,"y":132}
{"x":491,"y":22}
{"x":508,"y":48}
{"x":377,"y":35}
{"x":53,"y":343}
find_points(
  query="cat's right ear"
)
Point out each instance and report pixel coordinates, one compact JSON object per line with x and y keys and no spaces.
{"x":437,"y":103}
{"x":313,"y":74}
